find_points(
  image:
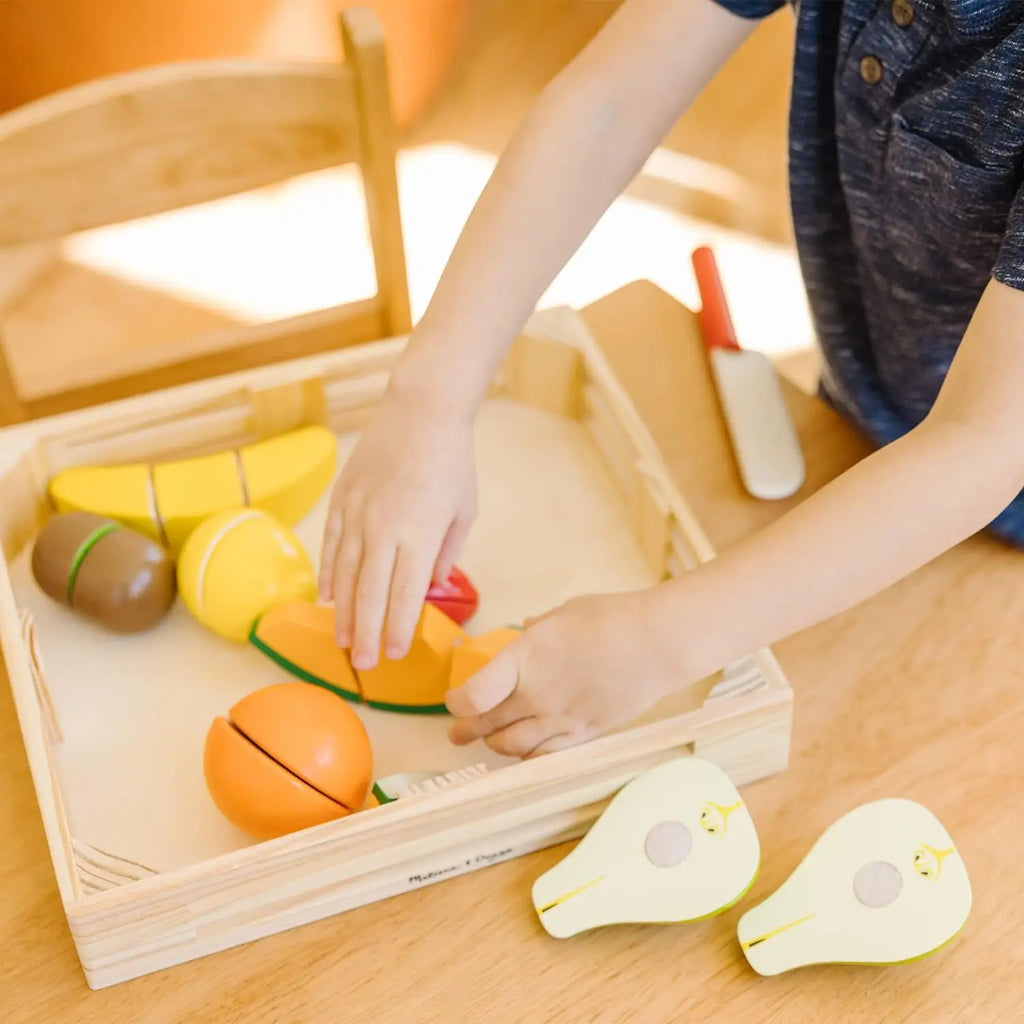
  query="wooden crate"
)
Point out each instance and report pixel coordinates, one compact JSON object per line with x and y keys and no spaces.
{"x":131,"y":914}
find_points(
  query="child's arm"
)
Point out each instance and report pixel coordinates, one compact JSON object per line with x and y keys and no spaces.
{"x":599,"y":661}
{"x":407,"y":495}
{"x":586,"y":138}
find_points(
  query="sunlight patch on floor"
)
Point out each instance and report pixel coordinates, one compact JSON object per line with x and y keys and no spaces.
{"x":263,"y":255}
{"x":304,"y":245}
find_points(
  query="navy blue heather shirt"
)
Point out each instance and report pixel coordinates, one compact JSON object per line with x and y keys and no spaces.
{"x":907,"y":188}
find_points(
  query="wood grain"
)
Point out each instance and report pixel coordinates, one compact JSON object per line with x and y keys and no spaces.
{"x":158,"y":139}
{"x":210,"y":354}
{"x":364,"y":46}
{"x":914,"y":693}
{"x":12,"y":408}
{"x":21,"y":267}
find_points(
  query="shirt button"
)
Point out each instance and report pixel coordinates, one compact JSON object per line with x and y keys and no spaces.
{"x":902,"y":12}
{"x":871,"y":70}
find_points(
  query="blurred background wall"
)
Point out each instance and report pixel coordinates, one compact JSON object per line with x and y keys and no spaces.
{"x":47,"y":45}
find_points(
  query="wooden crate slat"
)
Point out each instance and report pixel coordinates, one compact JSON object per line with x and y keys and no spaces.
{"x":31,"y":721}
{"x":23,"y":504}
{"x":544,"y":373}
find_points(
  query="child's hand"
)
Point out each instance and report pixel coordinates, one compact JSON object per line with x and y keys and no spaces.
{"x":574,"y":674}
{"x":398,"y":518}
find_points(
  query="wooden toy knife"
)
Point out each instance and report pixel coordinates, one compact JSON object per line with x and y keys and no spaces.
{"x":763,"y":437}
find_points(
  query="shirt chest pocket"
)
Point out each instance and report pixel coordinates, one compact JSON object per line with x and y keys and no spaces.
{"x":943,"y":219}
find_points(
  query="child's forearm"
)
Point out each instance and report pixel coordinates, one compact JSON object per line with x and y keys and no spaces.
{"x":586,"y":138}
{"x":878,"y":522}
{"x":881,"y":520}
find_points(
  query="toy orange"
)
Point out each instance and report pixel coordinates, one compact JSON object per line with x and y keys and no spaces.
{"x":289,"y":757}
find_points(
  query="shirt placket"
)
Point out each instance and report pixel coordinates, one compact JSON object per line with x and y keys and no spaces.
{"x":865,"y":87}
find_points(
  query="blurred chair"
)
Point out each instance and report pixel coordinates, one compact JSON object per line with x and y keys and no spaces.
{"x":146,"y":142}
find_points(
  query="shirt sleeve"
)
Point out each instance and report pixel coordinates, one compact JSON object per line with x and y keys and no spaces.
{"x":1009,"y":268}
{"x":752,"y":8}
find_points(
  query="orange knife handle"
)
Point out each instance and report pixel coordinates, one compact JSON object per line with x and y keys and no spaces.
{"x":715,"y":320}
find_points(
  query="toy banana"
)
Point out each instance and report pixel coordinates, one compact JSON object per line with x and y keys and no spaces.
{"x":284,"y":476}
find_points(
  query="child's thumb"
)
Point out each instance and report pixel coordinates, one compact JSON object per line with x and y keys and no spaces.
{"x":486,"y":689}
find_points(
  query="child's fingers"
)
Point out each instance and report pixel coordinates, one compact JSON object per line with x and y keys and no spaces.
{"x":347,"y":563}
{"x":371,"y":604}
{"x":486,"y":689}
{"x":478,"y":727}
{"x":413,"y":566}
{"x":451,"y":548}
{"x":520,"y":738}
{"x":560,"y":741}
{"x":329,"y":554}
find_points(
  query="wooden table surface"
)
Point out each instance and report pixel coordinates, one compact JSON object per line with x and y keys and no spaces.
{"x":915,"y":693}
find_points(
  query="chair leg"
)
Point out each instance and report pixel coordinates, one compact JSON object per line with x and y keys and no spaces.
{"x":363,"y":40}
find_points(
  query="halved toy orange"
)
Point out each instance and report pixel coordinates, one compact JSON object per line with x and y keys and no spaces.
{"x":289,"y":757}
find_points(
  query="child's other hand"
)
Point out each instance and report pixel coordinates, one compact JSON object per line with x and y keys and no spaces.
{"x":399,"y":516}
{"x":574,"y":674}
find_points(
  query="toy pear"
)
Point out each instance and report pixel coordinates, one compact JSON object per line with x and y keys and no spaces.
{"x":883,"y":885}
{"x":676,"y":844}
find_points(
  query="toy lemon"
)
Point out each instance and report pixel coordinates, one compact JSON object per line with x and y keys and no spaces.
{"x":238,"y":565}
{"x":288,"y":757}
